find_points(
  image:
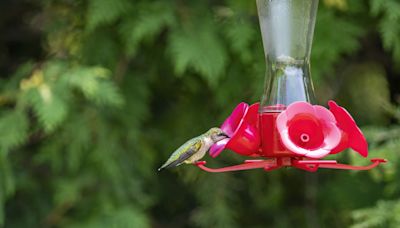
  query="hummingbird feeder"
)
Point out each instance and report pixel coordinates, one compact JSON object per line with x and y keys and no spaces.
{"x":286,"y":128}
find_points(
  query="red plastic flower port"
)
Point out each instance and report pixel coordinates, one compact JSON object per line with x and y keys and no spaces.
{"x":352,"y":137}
{"x":308,"y":130}
{"x":242,"y":128}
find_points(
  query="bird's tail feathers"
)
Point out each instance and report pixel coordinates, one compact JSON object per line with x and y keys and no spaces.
{"x":170,"y":165}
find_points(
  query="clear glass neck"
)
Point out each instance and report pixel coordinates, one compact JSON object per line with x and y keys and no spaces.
{"x":287,"y":28}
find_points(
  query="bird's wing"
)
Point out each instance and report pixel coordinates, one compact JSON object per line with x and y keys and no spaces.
{"x":195,"y":147}
{"x":192,"y":150}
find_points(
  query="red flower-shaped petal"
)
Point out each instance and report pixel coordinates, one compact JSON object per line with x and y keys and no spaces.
{"x":242,"y":128}
{"x":351,"y":135}
{"x":308,"y":130}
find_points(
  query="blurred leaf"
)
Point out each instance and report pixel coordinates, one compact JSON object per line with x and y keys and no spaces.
{"x":241,"y":35}
{"x":340,"y":4}
{"x":199,"y":48}
{"x":7,"y":185}
{"x":147,"y":25}
{"x":358,"y":83}
{"x":120,"y":217}
{"x":49,"y":107}
{"x":93,"y":83}
{"x":100,"y":48}
{"x":388,"y":28}
{"x":102,"y":12}
{"x":334,"y":37}
{"x":13,"y":130}
{"x":384,"y":214}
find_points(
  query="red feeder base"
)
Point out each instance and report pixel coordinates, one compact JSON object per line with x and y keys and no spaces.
{"x":276,"y":163}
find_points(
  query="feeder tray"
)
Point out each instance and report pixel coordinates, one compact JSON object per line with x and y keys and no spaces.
{"x":276,"y":163}
{"x":287,"y":129}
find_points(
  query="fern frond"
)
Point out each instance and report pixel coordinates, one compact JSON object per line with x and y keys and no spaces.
{"x":388,"y":24}
{"x":240,"y":35}
{"x":383,"y":214}
{"x":334,"y":36}
{"x":93,"y":83}
{"x":147,"y":25}
{"x":200,"y":49}
{"x":102,"y":12}
{"x":50,"y":108}
{"x":13,"y":129}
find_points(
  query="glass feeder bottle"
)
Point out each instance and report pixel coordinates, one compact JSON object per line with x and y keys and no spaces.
{"x":287,"y":28}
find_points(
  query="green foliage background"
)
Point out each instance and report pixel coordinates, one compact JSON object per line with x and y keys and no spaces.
{"x":95,"y":95}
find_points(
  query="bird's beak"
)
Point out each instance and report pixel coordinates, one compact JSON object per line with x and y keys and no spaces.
{"x":223,"y":134}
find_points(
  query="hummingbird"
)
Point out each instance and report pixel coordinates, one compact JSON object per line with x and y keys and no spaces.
{"x":194,"y":149}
